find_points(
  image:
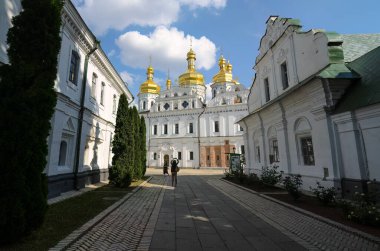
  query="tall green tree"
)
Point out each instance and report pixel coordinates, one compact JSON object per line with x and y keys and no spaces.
{"x":143,"y":145}
{"x":137,"y":149}
{"x":27,"y":101}
{"x":119,"y":173}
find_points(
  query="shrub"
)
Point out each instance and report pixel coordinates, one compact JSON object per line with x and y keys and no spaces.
{"x":252,"y":179}
{"x":292,"y":184}
{"x":362,"y":208}
{"x":324,"y":195}
{"x":271,"y":176}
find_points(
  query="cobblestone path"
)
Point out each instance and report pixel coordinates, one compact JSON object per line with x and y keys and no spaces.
{"x":123,"y":228}
{"x":314,"y":232}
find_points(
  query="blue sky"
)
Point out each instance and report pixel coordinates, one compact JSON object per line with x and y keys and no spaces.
{"x":131,"y":31}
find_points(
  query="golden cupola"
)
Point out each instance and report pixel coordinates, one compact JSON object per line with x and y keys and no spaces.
{"x":149,"y":86}
{"x":225,"y":72}
{"x":191,"y":76}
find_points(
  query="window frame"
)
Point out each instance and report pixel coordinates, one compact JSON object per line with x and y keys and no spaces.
{"x":267,"y":89}
{"x":179,"y":155}
{"x":284,"y":75}
{"x":273,"y":151}
{"x":301,"y":154}
{"x":216,"y":126}
{"x":74,"y":67}
{"x":94,"y":81}
{"x":165,"y":129}
{"x":191,"y":127}
{"x":191,"y":155}
{"x":102,"y":91}
{"x":176,"y":128}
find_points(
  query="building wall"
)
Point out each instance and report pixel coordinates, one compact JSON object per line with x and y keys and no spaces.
{"x":99,"y":118}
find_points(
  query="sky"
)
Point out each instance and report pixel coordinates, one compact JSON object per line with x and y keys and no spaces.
{"x":135,"y":33}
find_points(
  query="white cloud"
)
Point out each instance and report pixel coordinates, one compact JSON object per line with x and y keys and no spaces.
{"x":127,"y":77}
{"x":111,"y":53}
{"x":167,"y":47}
{"x":103,"y":15}
{"x":193,"y":4}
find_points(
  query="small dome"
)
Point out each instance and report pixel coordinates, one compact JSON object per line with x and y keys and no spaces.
{"x":149,"y":86}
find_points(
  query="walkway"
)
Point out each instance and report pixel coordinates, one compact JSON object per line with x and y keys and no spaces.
{"x":205,"y":213}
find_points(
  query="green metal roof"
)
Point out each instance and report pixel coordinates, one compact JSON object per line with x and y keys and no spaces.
{"x":366,"y":91}
{"x":356,"y":45}
{"x":337,"y":71}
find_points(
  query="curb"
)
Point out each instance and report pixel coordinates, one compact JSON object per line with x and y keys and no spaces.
{"x":78,"y":233}
{"x":312,"y":215}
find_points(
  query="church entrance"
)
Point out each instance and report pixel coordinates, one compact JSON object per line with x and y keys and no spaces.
{"x":166,"y":160}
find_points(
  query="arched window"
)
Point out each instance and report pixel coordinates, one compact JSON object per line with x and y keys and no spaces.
{"x":159,"y":107}
{"x":151,"y":104}
{"x":102,"y":93}
{"x":74,"y":67}
{"x":93,"y":86}
{"x":144,"y":105}
{"x":114,"y":104}
{"x":302,"y":132}
{"x":175,"y":94}
{"x":214,"y":93}
{"x":62,"y":153}
{"x":184,"y":94}
{"x":237,"y":89}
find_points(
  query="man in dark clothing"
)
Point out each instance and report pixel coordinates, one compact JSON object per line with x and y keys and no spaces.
{"x":174,"y":170}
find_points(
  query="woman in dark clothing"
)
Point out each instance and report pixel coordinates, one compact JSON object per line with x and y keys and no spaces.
{"x":174,"y":170}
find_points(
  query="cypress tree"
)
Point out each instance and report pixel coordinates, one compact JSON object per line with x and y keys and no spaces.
{"x":138,"y":167}
{"x":27,"y":101}
{"x":131,"y":144}
{"x":143,"y":145}
{"x":119,"y":174}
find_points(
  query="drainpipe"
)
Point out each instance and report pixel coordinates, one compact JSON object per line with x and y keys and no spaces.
{"x":81,"y":112}
{"x":199,"y":136}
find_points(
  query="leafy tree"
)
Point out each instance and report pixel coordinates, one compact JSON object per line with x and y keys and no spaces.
{"x":27,"y":101}
{"x":119,"y":175}
{"x":143,"y":144}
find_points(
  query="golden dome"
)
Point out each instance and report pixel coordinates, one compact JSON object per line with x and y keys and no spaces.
{"x":225,"y":72}
{"x":191,"y":76}
{"x":168,"y":84}
{"x":149,"y":86}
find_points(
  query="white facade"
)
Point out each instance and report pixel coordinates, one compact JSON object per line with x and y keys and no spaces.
{"x":182,"y":124}
{"x":300,"y":79}
{"x":102,"y":90}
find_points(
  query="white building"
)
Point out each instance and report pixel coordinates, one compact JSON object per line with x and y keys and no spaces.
{"x":182,"y":124}
{"x":83,"y":68}
{"x":314,"y":105}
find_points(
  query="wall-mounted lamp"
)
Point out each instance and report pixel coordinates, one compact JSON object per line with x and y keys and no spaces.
{"x":234,"y":149}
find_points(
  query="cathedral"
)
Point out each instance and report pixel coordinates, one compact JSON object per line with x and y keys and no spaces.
{"x":182,"y":124}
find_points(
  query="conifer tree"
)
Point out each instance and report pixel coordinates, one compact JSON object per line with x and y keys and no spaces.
{"x":137,"y":149}
{"x":119,"y":174}
{"x":143,"y":145}
{"x":27,"y":101}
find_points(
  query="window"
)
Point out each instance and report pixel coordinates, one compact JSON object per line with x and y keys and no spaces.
{"x":216,"y":126}
{"x":217,"y":157}
{"x":307,"y":151}
{"x":190,"y":127}
{"x":93,"y":86}
{"x":208,"y":157}
{"x":155,"y":156}
{"x":214,"y":93}
{"x":193,"y":104}
{"x":191,"y":156}
{"x":175,"y":106}
{"x":284,"y":76}
{"x":240,"y":128}
{"x":273,"y":155}
{"x":144,"y":105}
{"x":242,"y":149}
{"x":74,"y":67}
{"x":166,"y":129}
{"x":151,"y":104}
{"x":266,"y":88}
{"x":159,"y":107}
{"x":155,"y":130}
{"x":114,"y":104}
{"x":102,"y":93}
{"x":179,"y":155}
{"x":258,"y":154}
{"x":176,"y":129}
{"x":166,"y":106}
{"x":62,"y":153}
{"x":175,"y":95}
{"x":185,"y":104}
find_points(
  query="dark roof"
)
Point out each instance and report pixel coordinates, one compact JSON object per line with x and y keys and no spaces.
{"x":366,"y":91}
{"x":356,"y":45}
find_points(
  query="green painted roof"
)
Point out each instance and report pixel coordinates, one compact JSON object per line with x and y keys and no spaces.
{"x":356,"y":45}
{"x":337,"y":71}
{"x":365,"y":91}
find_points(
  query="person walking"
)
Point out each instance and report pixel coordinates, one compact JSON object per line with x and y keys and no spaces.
{"x":174,"y":170}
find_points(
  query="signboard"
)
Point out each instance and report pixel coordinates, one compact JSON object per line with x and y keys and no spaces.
{"x":235,"y":162}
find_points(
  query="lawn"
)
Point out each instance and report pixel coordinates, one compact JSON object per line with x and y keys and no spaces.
{"x":64,"y":217}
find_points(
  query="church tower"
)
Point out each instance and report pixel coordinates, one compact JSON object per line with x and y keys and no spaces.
{"x":149,"y":91}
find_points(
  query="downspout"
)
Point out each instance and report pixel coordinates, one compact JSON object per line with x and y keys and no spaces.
{"x":199,"y":131}
{"x":81,"y":112}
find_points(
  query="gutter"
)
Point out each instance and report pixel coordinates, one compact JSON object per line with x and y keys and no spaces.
{"x":81,"y":112}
